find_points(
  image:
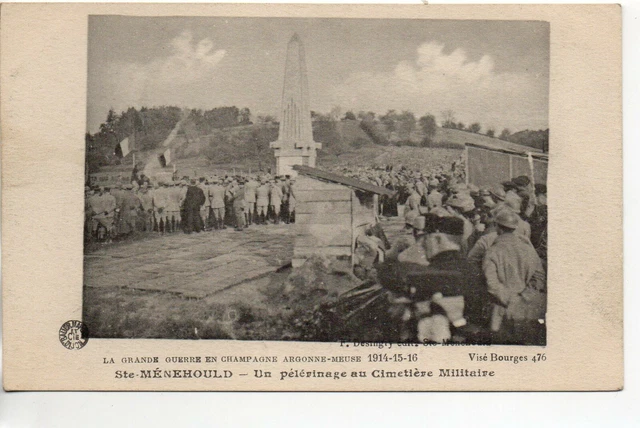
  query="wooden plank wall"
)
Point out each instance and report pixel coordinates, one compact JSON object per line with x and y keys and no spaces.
{"x":323,"y":219}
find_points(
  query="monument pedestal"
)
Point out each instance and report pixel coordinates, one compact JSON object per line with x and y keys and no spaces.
{"x":287,"y":157}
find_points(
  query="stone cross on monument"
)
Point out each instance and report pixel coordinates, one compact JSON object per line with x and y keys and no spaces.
{"x":295,"y":145}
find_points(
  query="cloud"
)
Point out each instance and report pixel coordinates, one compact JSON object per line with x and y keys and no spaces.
{"x":171,"y":80}
{"x":435,"y":81}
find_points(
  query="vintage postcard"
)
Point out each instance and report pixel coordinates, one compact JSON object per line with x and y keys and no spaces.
{"x":311,"y":198}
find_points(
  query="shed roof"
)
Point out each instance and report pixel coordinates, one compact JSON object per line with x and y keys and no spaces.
{"x":512,"y":148}
{"x":341,"y":179}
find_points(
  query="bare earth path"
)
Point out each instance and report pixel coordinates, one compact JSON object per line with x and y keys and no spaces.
{"x":217,"y":284}
{"x":192,"y":266}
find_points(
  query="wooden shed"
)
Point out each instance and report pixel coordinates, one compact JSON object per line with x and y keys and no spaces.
{"x":331,"y":209}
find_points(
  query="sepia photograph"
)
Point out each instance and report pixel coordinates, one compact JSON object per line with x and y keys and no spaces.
{"x":316,"y":179}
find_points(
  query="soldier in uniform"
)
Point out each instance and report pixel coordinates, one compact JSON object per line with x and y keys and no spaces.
{"x":119,"y":195}
{"x":103,"y":206}
{"x":147,"y":207}
{"x":173,"y":207}
{"x":206,"y":207}
{"x":250,"y":188}
{"x":275,"y":199}
{"x":516,"y":280}
{"x":131,"y":204}
{"x":193,"y":201}
{"x":292,"y":201}
{"x":239,"y":206}
{"x":160,"y":206}
{"x":262,"y":202}
{"x":217,"y":204}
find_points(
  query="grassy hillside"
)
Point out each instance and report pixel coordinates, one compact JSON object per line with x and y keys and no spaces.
{"x":345,"y":145}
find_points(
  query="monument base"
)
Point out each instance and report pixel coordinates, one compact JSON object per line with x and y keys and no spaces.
{"x":284,"y":164}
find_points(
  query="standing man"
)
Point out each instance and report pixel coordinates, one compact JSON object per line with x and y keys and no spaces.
{"x":239,"y":206}
{"x":434,"y":198}
{"x":292,"y":201}
{"x":194,"y":199}
{"x":160,"y":206}
{"x":204,"y":210}
{"x":413,"y":201}
{"x":217,"y":204}
{"x":262,"y":202}
{"x":147,"y":207}
{"x":250,"y":188}
{"x":275,"y":199}
{"x":173,"y":206}
{"x":131,"y":204}
{"x":517,"y":282}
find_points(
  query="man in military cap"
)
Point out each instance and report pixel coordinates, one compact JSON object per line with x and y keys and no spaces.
{"x":439,"y":292}
{"x":147,"y":207}
{"x":194,"y":199}
{"x":413,"y":201}
{"x":160,"y":207}
{"x":291,"y":217}
{"x":516,"y":280}
{"x":275,"y":199}
{"x":434,"y":198}
{"x":262,"y":202}
{"x":103,"y":206}
{"x":239,"y":206}
{"x":206,"y":207}
{"x":461,"y":205}
{"x":217,"y":192}
{"x":131,"y":205}
{"x":250,"y":188}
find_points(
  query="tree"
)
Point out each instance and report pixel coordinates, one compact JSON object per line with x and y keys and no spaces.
{"x":460,"y":126}
{"x":336,"y":113}
{"x":406,"y":124}
{"x":349,"y":116}
{"x":245,"y":116}
{"x":505,"y":134}
{"x":475,"y":127}
{"x":429,"y":127}
{"x":389,"y":120}
{"x":491,"y":132}
{"x":448,"y":119}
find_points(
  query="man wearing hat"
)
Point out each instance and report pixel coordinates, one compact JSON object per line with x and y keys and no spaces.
{"x":275,"y":199}
{"x":434,"y":198}
{"x":250,"y":188}
{"x":262,"y":202}
{"x":239,"y":206}
{"x":461,"y":205}
{"x":147,"y":207}
{"x":160,"y":206}
{"x":206,"y":207}
{"x":217,"y":192}
{"x":413,"y":201}
{"x":194,"y":199}
{"x":516,"y":281}
{"x":291,"y":215}
{"x":131,"y":204}
{"x":447,"y":287}
{"x":174,"y":200}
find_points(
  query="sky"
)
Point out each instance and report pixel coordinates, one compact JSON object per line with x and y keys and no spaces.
{"x":492,"y":72}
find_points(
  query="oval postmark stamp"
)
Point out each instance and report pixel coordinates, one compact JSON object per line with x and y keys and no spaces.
{"x":74,"y":334}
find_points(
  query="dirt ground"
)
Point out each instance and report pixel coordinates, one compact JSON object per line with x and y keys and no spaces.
{"x":211,"y":285}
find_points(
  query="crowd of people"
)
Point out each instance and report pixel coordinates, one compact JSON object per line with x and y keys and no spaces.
{"x":472,"y":262}
{"x":187,"y":205}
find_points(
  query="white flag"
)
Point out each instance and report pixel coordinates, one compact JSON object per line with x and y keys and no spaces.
{"x":123,"y":148}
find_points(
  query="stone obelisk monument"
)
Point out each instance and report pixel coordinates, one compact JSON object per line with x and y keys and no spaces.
{"x":295,"y":145}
